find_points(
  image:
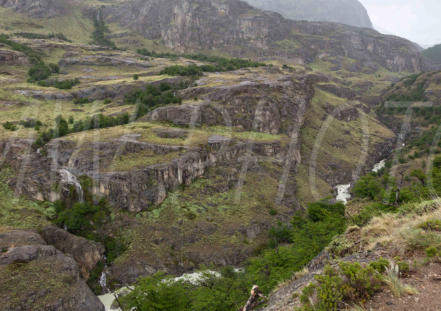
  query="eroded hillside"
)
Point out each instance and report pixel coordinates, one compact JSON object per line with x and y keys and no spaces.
{"x":173,"y":161}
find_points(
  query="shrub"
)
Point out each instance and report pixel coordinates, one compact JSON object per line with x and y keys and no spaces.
{"x":81,"y":101}
{"x":380,"y":265}
{"x":31,"y":123}
{"x":10,"y":126}
{"x":351,"y":283}
{"x":279,"y":234}
{"x":63,"y":84}
{"x":368,"y":187}
{"x":135,"y":77}
{"x":39,"y":72}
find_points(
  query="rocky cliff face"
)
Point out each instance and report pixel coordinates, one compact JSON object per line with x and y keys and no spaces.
{"x":37,"y":8}
{"x":38,"y":276}
{"x":237,"y":28}
{"x":349,"y":12}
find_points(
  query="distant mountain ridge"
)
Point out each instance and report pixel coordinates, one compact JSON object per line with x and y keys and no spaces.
{"x":349,"y":12}
{"x":230,"y":27}
{"x":434,"y":54}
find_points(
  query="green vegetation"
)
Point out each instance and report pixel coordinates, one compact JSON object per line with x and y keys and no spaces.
{"x":95,"y":122}
{"x":33,"y":56}
{"x":18,"y":212}
{"x":350,"y":283}
{"x":10,"y":126}
{"x":220,"y":65}
{"x":152,"y":97}
{"x":309,"y":233}
{"x":99,"y":34}
{"x":434,"y":53}
{"x":60,"y":84}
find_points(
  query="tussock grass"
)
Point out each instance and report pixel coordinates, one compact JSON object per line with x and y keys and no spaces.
{"x":401,"y":232}
{"x":398,"y":288}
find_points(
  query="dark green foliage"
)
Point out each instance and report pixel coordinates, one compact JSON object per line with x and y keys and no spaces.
{"x":434,"y":53}
{"x":31,"y":35}
{"x":81,"y":101}
{"x":336,"y":288}
{"x":60,"y":84}
{"x":152,"y":97}
{"x":368,"y":186}
{"x":34,"y":57}
{"x":94,"y":122}
{"x":310,"y":234}
{"x":10,"y":126}
{"x":31,"y":123}
{"x":99,"y":34}
{"x":380,"y":265}
{"x":135,"y":77}
{"x":39,"y":72}
{"x":158,"y":293}
{"x":82,"y":218}
{"x":220,"y":64}
{"x":178,"y":70}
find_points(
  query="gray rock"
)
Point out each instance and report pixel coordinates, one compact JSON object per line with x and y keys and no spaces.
{"x":85,"y":252}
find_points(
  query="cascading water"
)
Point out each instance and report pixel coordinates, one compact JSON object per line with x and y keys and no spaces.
{"x":68,"y":178}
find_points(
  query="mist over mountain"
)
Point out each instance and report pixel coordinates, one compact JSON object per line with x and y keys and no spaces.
{"x":350,"y":12}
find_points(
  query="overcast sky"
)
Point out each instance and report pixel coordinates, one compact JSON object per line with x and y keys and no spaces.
{"x":416,"y":20}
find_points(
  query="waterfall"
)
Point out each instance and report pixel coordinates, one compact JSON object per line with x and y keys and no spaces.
{"x":68,"y":178}
{"x":103,"y":277}
{"x":343,"y":194}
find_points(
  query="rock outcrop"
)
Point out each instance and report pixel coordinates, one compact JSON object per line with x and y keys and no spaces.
{"x":37,"y":8}
{"x":349,"y":12}
{"x":85,"y":252}
{"x":238,"y":29}
{"x":37,"y":276}
{"x":9,"y":57}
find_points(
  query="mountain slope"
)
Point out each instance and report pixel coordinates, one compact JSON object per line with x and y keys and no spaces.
{"x":434,"y":54}
{"x":235,"y":28}
{"x":350,"y":12}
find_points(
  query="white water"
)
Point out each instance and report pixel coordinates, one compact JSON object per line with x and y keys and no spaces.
{"x":108,"y":299}
{"x":196,"y":278}
{"x":343,"y":194}
{"x":379,"y":166}
{"x":68,"y":178}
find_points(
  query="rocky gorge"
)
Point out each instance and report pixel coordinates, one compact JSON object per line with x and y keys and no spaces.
{"x":201,"y":177}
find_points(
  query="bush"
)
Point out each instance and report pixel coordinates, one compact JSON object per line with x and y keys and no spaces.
{"x":380,"y":265}
{"x":368,"y":187}
{"x":152,"y":97}
{"x":135,"y":77}
{"x":335,"y":288}
{"x":31,"y":123}
{"x":431,"y":224}
{"x":39,"y":72}
{"x":63,"y":84}
{"x":81,"y":101}
{"x":99,"y":34}
{"x":10,"y":126}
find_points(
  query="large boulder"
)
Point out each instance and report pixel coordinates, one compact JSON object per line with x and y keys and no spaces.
{"x":36,"y":276}
{"x":85,"y":252}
